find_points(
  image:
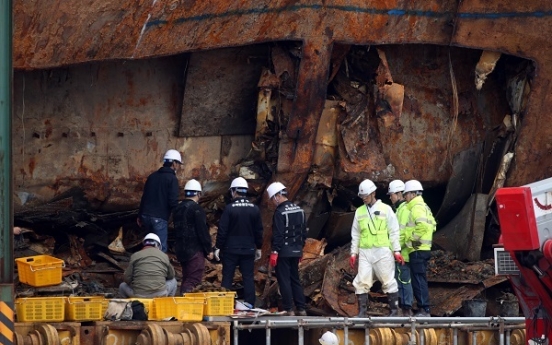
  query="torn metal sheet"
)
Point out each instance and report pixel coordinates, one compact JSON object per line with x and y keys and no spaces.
{"x":390,"y":96}
{"x":485,"y":66}
{"x":220,"y":93}
{"x":447,"y":299}
{"x":312,"y":250}
{"x":464,"y":234}
{"x":338,"y":229}
{"x":325,"y":147}
{"x":336,"y":298}
{"x":461,"y":183}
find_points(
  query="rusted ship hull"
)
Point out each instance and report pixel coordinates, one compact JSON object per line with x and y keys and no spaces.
{"x":101,"y":90}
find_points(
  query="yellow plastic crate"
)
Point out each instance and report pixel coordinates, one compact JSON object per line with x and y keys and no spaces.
{"x":149,"y":305}
{"x":182,"y":308}
{"x":39,"y":270}
{"x":34,"y":309}
{"x":216,"y":303}
{"x":91,"y":308}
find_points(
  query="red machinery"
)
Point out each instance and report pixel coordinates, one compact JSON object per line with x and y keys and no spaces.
{"x":525,"y":215}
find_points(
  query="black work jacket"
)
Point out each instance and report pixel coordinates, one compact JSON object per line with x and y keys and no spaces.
{"x":240,"y":228}
{"x":160,"y":194}
{"x":289,"y":230}
{"x":191,"y":230}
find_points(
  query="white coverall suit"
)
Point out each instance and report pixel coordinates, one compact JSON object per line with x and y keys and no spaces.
{"x":378,"y":261}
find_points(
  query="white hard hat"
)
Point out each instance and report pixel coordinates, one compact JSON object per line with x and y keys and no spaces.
{"x":412,"y":186}
{"x":366,"y":187}
{"x":274,"y":188}
{"x":173,"y":155}
{"x":152,"y":237}
{"x":395,"y":186}
{"x":239,"y":182}
{"x":328,"y":338}
{"x":193,"y":185}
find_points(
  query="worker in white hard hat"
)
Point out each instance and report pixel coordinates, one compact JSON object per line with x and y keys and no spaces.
{"x":375,"y":242}
{"x":328,"y":338}
{"x":289,"y":232}
{"x":402,"y":272}
{"x":160,"y":197}
{"x":193,"y":242}
{"x":239,"y":239}
{"x":149,"y":272}
{"x":418,"y":239}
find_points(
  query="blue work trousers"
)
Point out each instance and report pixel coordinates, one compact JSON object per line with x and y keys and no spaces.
{"x":406,"y":295}
{"x":158,"y":226}
{"x":418,"y":272}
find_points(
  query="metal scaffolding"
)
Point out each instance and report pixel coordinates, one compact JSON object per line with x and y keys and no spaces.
{"x":503,"y":325}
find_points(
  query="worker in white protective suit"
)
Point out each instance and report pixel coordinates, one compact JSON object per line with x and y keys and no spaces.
{"x":375,"y":243}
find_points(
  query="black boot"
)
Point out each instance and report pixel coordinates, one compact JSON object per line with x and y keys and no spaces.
{"x":407,"y":311}
{"x":393,"y":299}
{"x":362,"y":304}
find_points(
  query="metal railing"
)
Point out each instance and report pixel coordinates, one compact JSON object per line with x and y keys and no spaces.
{"x":504,"y":326}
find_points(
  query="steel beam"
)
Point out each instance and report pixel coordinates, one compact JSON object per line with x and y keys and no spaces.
{"x":6,"y":236}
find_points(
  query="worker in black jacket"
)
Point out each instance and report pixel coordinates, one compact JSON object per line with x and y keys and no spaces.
{"x":239,"y":239}
{"x":289,"y":232}
{"x":160,"y":197}
{"x":193,"y":242}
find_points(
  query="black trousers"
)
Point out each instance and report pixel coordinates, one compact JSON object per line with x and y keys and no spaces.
{"x":287,"y":272}
{"x":246,"y":263}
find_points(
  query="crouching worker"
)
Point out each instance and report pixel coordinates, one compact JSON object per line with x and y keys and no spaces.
{"x":149,"y":273}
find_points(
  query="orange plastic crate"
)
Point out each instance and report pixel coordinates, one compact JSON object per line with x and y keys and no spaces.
{"x":91,"y":308}
{"x":39,"y":270}
{"x":216,"y":303}
{"x":34,"y":309}
{"x":181,"y":308}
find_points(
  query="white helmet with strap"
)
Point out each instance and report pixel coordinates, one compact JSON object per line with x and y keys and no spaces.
{"x":275,"y":188}
{"x":413,"y":186}
{"x":151,"y":237}
{"x":239,"y":182}
{"x":395,"y":186}
{"x":192,"y":187}
{"x":172,"y":156}
{"x":328,"y":338}
{"x":366,"y":187}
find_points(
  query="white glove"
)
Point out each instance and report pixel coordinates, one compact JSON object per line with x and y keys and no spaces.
{"x":258,"y":254}
{"x":217,"y":254}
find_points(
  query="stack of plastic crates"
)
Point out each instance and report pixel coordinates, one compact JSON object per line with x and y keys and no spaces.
{"x":216,"y":303}
{"x":39,"y":270}
{"x":181,"y":308}
{"x":91,"y":308}
{"x":37,"y":309}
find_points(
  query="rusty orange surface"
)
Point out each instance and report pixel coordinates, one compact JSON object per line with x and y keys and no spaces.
{"x":54,"y":33}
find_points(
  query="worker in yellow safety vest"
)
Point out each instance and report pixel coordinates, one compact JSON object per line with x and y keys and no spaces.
{"x":418,"y":239}
{"x":402,"y":272}
{"x":374,"y":232}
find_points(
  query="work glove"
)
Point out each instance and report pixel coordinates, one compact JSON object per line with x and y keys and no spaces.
{"x":416,"y":244}
{"x":216,"y":253}
{"x":352,"y":261}
{"x":398,"y":257}
{"x":273,"y":259}
{"x":258,"y":254}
